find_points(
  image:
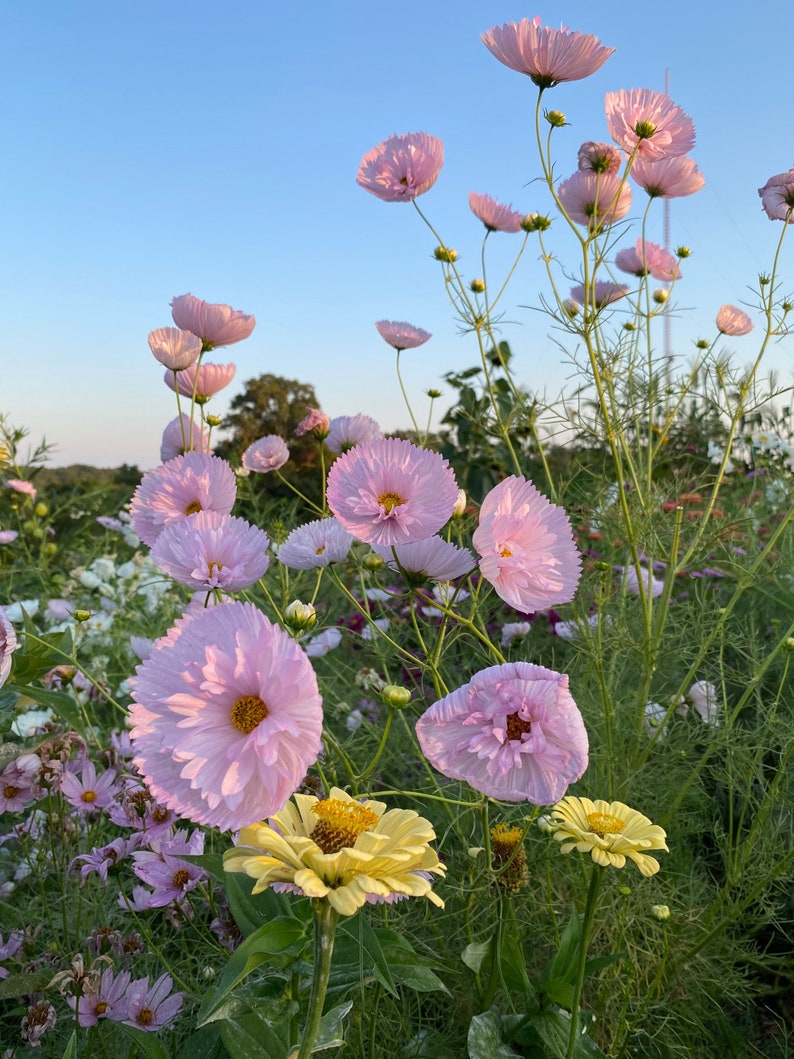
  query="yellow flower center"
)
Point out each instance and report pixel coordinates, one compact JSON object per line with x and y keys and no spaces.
{"x":320,"y":550}
{"x":247,"y":712}
{"x":508,"y":858}
{"x":9,"y":791}
{"x":506,"y":553}
{"x":340,"y":823}
{"x":390,"y":501}
{"x":603,"y":824}
{"x":180,"y":877}
{"x":517,"y":726}
{"x":145,"y":1016}
{"x":193,"y":507}
{"x":88,"y":796}
{"x":101,"y":1007}
{"x":212,"y":566}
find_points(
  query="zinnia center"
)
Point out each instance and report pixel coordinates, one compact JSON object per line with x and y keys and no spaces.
{"x":340,"y":823}
{"x":193,"y":507}
{"x":604,"y":824}
{"x":517,"y":726}
{"x":247,"y":712}
{"x":390,"y":501}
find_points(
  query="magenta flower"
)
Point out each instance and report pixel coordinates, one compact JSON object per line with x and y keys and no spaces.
{"x":8,"y":644}
{"x":347,"y":431}
{"x":777,"y":197}
{"x":175,"y":349}
{"x":151,"y":1009}
{"x":600,"y":157}
{"x":401,"y":167}
{"x":103,"y":999}
{"x":212,"y":378}
{"x":648,"y":123}
{"x":526,"y":547}
{"x":645,"y":259}
{"x":212,"y":550}
{"x":546,"y":56}
{"x":266,"y":454}
{"x":598,"y":294}
{"x":495,"y":216}
{"x":316,"y":544}
{"x":19,"y":485}
{"x":179,"y":489}
{"x":433,"y":559}
{"x":315,"y":422}
{"x":671,"y":178}
{"x":513,"y":733}
{"x":215,"y":325}
{"x":182,"y":435}
{"x":734,"y":322}
{"x":401,"y":335}
{"x":595,"y":199}
{"x":391,"y":492}
{"x":227,"y":717}
{"x":87,"y":792}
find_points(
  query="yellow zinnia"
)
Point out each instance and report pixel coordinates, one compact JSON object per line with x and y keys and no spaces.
{"x":609,"y":831}
{"x":341,"y":849}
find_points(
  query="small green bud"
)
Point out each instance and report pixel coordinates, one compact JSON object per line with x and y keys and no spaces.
{"x":443,"y":253}
{"x":555,"y":118}
{"x":535,"y":222}
{"x":396,"y":697}
{"x":602,"y":565}
{"x":764,"y":280}
{"x":701,"y":344}
{"x":299,"y":615}
{"x":624,"y":891}
{"x":629,"y":326}
{"x":477,"y":285}
{"x":50,"y":548}
{"x":683,"y":251}
{"x":788,"y":643}
{"x":82,"y":615}
{"x":214,"y":421}
{"x":41,"y":509}
{"x":660,"y":295}
{"x":435,"y":394}
{"x":372,"y":561}
{"x":660,"y":912}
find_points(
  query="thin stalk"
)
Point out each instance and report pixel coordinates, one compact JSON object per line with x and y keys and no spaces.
{"x":325,"y":920}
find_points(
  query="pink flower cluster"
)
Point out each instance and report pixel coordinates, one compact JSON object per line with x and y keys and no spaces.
{"x":134,"y":1002}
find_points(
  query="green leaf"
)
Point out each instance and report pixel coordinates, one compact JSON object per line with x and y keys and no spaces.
{"x":368,"y":940}
{"x":250,"y":911}
{"x":273,"y":939}
{"x":22,"y":984}
{"x":329,"y":1032}
{"x":205,"y":1043}
{"x":559,"y":981}
{"x":146,"y":1043}
{"x":474,"y":955}
{"x":486,"y":1037}
{"x":71,"y":1047}
{"x":248,"y":1036}
{"x":479,"y":957}
{"x":60,"y":702}
{"x":553,"y":1030}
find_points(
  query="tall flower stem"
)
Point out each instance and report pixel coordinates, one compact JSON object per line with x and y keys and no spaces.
{"x":325,"y":920}
{"x":584,"y":942}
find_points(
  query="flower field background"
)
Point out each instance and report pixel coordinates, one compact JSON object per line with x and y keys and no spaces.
{"x":473,"y":741}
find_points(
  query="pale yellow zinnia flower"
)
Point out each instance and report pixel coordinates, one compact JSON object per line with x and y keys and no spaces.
{"x":609,"y":831}
{"x":340,"y":849}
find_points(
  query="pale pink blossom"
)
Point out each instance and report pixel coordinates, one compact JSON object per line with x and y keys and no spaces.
{"x":215,"y":324}
{"x":598,"y":294}
{"x":513,"y":732}
{"x":600,"y":157}
{"x":179,"y":489}
{"x":8,"y":644}
{"x":433,"y":559}
{"x":777,"y":197}
{"x":174,"y":349}
{"x":316,"y":544}
{"x":183,"y":435}
{"x":152,"y":1008}
{"x":703,"y":697}
{"x":648,"y":123}
{"x":19,"y":485}
{"x":650,"y":584}
{"x":347,"y":431}
{"x":315,"y":422}
{"x":646,"y":258}
{"x":87,"y":791}
{"x":391,"y":492}
{"x":212,"y":378}
{"x":401,"y":335}
{"x":526,"y":547}
{"x":212,"y":550}
{"x":105,"y":998}
{"x":266,"y":454}
{"x":732,"y":321}
{"x":546,"y":56}
{"x":8,"y":536}
{"x":495,"y":216}
{"x":401,"y":167}
{"x":595,"y":199}
{"x":670,"y":178}
{"x":227,"y":717}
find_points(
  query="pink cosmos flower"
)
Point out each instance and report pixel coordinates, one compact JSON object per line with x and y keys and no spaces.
{"x":646,"y":258}
{"x":401,"y":167}
{"x":179,"y":489}
{"x":777,"y":197}
{"x":105,"y":999}
{"x":215,"y":325}
{"x":266,"y":454}
{"x":650,"y":584}
{"x":546,"y":56}
{"x":8,"y":644}
{"x":87,"y":792}
{"x":401,"y":335}
{"x":734,"y":322}
{"x":170,"y":876}
{"x":19,"y":485}
{"x":20,"y":783}
{"x":315,"y":422}
{"x":433,"y":559}
{"x":495,"y":216}
{"x":599,"y":294}
{"x":648,"y":123}
{"x":526,"y":547}
{"x":513,"y":733}
{"x":8,"y":536}
{"x":151,"y":1009}
{"x":391,"y":492}
{"x":182,"y":435}
{"x":347,"y":431}
{"x":102,"y":858}
{"x":600,"y":157}
{"x":211,"y":379}
{"x":213,"y":550}
{"x":227,"y":717}
{"x":595,"y":199}
{"x":316,"y":544}
{"x":703,"y":697}
{"x":670,"y":178}
{"x":175,"y":349}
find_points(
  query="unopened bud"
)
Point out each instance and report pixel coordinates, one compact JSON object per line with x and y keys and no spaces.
{"x":624,"y":891}
{"x":443,"y":253}
{"x":395,"y":696}
{"x":683,"y":251}
{"x":701,"y":344}
{"x":660,"y":912}
{"x":435,"y":394}
{"x":535,"y":222}
{"x":460,"y":504}
{"x":82,"y":615}
{"x":660,"y":295}
{"x":788,"y":643}
{"x":300,"y":615}
{"x":373,"y":561}
{"x":41,"y":509}
{"x":214,"y":421}
{"x":50,"y":548}
{"x":478,"y":285}
{"x":555,"y":118}
{"x":570,"y":307}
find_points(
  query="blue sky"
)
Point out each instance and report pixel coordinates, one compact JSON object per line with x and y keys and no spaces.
{"x":165,"y":147}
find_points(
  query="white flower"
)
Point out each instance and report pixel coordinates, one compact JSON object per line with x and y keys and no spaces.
{"x":323,"y":642}
{"x":716,"y":453}
{"x":703,"y":696}
{"x":654,"y":715}
{"x":14,"y":610}
{"x":514,"y":630}
{"x":25,"y":724}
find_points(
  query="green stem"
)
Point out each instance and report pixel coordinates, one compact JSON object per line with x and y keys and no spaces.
{"x":325,"y":920}
{"x":584,"y":941}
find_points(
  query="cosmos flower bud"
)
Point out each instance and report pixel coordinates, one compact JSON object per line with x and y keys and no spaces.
{"x":82,"y":615}
{"x":460,"y":504}
{"x":660,"y":295}
{"x":435,"y":394}
{"x":443,"y":253}
{"x":535,"y":222}
{"x":570,"y":308}
{"x":555,"y":118}
{"x":213,"y":421}
{"x":683,"y":251}
{"x":41,"y":510}
{"x":372,"y":561}
{"x":395,"y":696}
{"x":478,"y":285}
{"x":300,"y":615}
{"x":660,"y":912}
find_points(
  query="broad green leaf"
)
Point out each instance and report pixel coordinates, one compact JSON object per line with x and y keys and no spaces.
{"x":60,"y":702}
{"x":369,"y":942}
{"x":329,"y":1032}
{"x":22,"y":984}
{"x":250,"y":911}
{"x":146,"y":1043}
{"x":205,"y":1043}
{"x":553,"y":1029}
{"x":486,"y":1037}
{"x":559,"y":980}
{"x":248,"y":1036}
{"x":71,"y":1047}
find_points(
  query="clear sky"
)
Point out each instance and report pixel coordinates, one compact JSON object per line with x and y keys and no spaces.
{"x":162,"y":147}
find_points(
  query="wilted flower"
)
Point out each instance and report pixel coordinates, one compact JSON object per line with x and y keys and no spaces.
{"x":546,"y":56}
{"x":777,"y":197}
{"x":39,"y":1018}
{"x":495,"y":216}
{"x":732,"y":321}
{"x":340,"y":849}
{"x":609,"y":831}
{"x":315,"y":422}
{"x":648,"y":123}
{"x":595,"y":199}
{"x":174,"y":349}
{"x":266,"y":454}
{"x":401,"y":167}
{"x":215,"y":324}
{"x":402,"y":335}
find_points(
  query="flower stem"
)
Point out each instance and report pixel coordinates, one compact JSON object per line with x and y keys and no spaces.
{"x":325,"y":920}
{"x":584,"y":941}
